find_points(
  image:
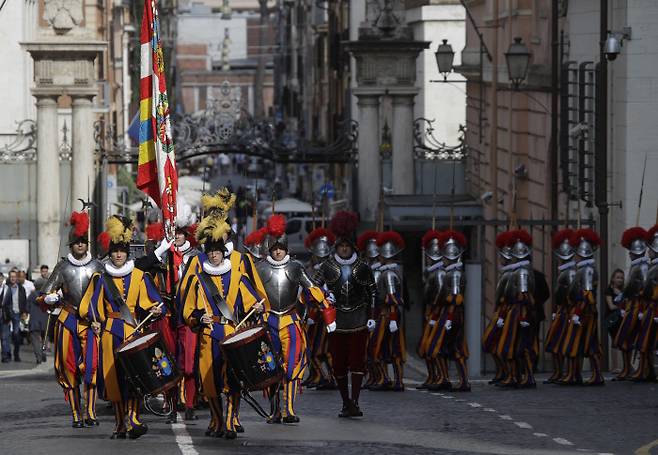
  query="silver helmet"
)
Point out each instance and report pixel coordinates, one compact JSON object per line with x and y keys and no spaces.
{"x":564,"y":250}
{"x":521,"y":244}
{"x":255,"y":243}
{"x":452,"y":249}
{"x":638,"y":247}
{"x":584,"y":249}
{"x":635,"y":240}
{"x":276,"y":232}
{"x":433,"y":250}
{"x":505,"y":252}
{"x":372,"y":250}
{"x":390,"y":244}
{"x":321,"y":247}
{"x":271,"y":241}
{"x":653,"y":239}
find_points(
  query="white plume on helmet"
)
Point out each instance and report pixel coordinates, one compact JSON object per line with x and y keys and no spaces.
{"x":185,"y":216}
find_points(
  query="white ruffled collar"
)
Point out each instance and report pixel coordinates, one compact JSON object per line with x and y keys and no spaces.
{"x":216,"y":270}
{"x":79,"y":262}
{"x":642,"y":260}
{"x":391,"y":266}
{"x":437,"y":265}
{"x":276,"y":263}
{"x":654,"y":261}
{"x":185,"y":247}
{"x":566,"y":265}
{"x":456,"y":265}
{"x":342,"y":261}
{"x":507,"y":268}
{"x":119,"y":272}
{"x":375,"y":265}
{"x":585,"y":263}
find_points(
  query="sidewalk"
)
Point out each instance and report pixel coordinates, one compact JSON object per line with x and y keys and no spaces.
{"x":27,"y":364}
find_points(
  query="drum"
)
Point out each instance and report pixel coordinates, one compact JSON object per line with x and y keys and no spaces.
{"x":251,"y":359}
{"x":147,"y":365}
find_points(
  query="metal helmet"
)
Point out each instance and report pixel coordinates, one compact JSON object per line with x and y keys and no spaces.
{"x":586,"y":242}
{"x":453,"y":245}
{"x":521,"y":244}
{"x":505,"y":252}
{"x":390,"y":244}
{"x":254,"y":243}
{"x":584,"y":249}
{"x":276,"y":232}
{"x":372,"y":250}
{"x":503,"y":245}
{"x":635,"y":240}
{"x":319,"y":242}
{"x":433,"y":250}
{"x":565,"y":251}
{"x":652,"y":236}
{"x":79,"y":231}
{"x":367,"y":244}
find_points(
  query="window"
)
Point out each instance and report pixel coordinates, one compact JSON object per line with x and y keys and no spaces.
{"x":293,"y":227}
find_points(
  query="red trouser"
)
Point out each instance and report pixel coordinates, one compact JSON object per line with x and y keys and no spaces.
{"x":348,"y":351}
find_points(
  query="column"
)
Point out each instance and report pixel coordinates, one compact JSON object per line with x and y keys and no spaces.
{"x":403,"y":140}
{"x":83,"y":176}
{"x":48,"y":188}
{"x":369,"y":159}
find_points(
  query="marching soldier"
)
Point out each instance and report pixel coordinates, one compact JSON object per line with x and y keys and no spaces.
{"x":319,"y":243}
{"x":518,"y":344}
{"x":351,"y":281}
{"x":647,"y":341}
{"x":115,"y":300}
{"x":282,"y":277}
{"x":494,"y":329}
{"x":219,"y":296}
{"x":631,"y":299}
{"x":560,"y":309}
{"x":377,"y":371}
{"x":634,"y":304}
{"x":582,"y":337}
{"x":389,"y":334}
{"x":433,"y":277}
{"x":73,"y":339}
{"x":449,"y":337}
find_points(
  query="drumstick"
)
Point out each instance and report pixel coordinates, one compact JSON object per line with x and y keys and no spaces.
{"x":247,"y":316}
{"x":149,"y":316}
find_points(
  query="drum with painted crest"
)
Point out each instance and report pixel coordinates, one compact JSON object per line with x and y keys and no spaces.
{"x":251,"y":360}
{"x":148,"y":366}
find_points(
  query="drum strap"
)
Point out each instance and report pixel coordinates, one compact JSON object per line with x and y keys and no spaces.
{"x":216,"y":296}
{"x":126,"y":315}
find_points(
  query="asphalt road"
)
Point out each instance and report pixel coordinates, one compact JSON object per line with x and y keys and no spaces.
{"x":619,"y":418}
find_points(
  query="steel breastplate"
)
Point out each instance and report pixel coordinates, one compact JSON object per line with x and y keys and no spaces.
{"x":75,"y":280}
{"x":280,"y":288}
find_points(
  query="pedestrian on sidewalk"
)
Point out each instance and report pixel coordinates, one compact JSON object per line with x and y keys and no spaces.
{"x":14,"y":305}
{"x":37,"y":327}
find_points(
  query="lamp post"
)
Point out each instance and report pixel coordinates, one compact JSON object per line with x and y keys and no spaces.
{"x":518,"y":60}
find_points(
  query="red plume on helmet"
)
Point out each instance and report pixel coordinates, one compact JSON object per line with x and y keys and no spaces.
{"x":316,"y":234}
{"x":456,"y":235}
{"x":504,"y":239}
{"x":276,"y":225}
{"x":520,"y":235}
{"x":80,"y":223}
{"x":344,"y":223}
{"x":429,"y":236}
{"x":155,"y":231}
{"x":586,"y":234}
{"x":651,"y":232}
{"x":631,"y":234}
{"x":364,"y":238}
{"x":104,"y":241}
{"x":560,"y":236}
{"x":255,"y":237}
{"x":390,"y":236}
{"x":191,"y":234}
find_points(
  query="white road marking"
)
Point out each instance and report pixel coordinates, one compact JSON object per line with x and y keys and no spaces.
{"x":563,"y":441}
{"x":183,"y":438}
{"x":505,"y":417}
{"x":475,"y":405}
{"x":525,"y":425}
{"x":449,"y":397}
{"x":489,"y":410}
{"x":540,"y":435}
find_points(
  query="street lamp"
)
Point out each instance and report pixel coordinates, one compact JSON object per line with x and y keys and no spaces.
{"x":444,"y":58}
{"x":518,"y":60}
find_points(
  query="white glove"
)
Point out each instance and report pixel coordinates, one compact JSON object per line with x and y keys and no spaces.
{"x":331,"y":298}
{"x":575,"y":319}
{"x":553,"y":316}
{"x":393,"y":326}
{"x":524,"y":324}
{"x":500,"y":322}
{"x":310,"y":321}
{"x":51,"y":298}
{"x":640,"y":316}
{"x":163,"y":248}
{"x":623,"y":313}
{"x":432,"y":322}
{"x":371,"y":324}
{"x":331,"y":327}
{"x":448,"y":324}
{"x":655,"y":320}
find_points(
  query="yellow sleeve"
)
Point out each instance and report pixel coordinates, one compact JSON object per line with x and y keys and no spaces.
{"x":92,"y":307}
{"x":192,"y":301}
{"x":148,"y":298}
{"x":318,"y":295}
